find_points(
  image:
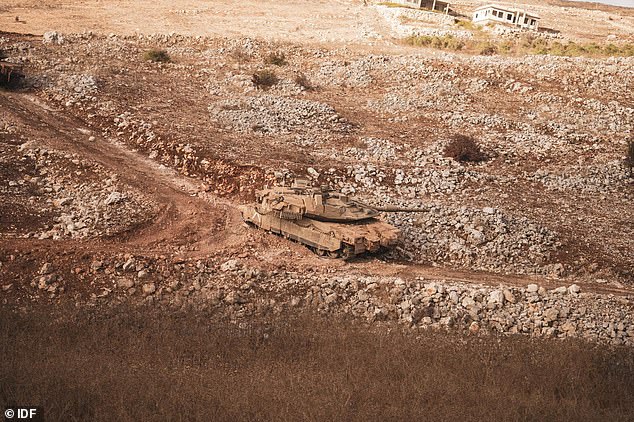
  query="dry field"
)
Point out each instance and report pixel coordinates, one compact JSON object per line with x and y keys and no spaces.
{"x":125,"y":267}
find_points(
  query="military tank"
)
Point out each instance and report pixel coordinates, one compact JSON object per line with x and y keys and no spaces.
{"x":329,"y":223}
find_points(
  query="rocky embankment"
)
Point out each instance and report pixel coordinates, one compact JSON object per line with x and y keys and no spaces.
{"x":236,"y":289}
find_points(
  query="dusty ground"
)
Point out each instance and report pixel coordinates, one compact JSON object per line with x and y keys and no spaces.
{"x":120,"y":177}
{"x":316,"y":22}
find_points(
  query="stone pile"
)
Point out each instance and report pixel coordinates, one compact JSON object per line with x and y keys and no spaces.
{"x":237,"y":289}
{"x":91,"y":208}
{"x":479,"y":239}
{"x":270,"y":114}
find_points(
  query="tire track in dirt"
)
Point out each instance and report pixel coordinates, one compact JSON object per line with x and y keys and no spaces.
{"x":183,"y":219}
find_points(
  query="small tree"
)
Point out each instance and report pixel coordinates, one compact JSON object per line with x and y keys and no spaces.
{"x":464,"y":149}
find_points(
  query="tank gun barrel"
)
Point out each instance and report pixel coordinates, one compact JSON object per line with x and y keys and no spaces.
{"x":391,"y":208}
{"x":399,"y":209}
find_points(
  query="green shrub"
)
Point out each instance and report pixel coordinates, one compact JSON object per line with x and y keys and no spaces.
{"x":156,"y":55}
{"x":264,"y":79}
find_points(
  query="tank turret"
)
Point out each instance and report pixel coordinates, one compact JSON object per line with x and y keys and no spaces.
{"x":327,"y":221}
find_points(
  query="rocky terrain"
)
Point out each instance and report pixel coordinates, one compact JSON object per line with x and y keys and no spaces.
{"x":121,"y":177}
{"x":131,"y":288}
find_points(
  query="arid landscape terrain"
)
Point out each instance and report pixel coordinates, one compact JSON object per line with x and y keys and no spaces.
{"x":131,"y":288}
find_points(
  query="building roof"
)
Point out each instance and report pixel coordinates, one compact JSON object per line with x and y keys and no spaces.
{"x":506,"y":9}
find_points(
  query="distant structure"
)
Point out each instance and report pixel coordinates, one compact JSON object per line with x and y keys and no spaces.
{"x":437,"y":5}
{"x":495,"y":14}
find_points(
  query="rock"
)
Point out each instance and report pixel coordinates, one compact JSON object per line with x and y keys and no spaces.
{"x":46,"y":280}
{"x":468,"y":302}
{"x":129,"y":264}
{"x":331,"y":298}
{"x":560,"y":290}
{"x":142,"y":274}
{"x":46,"y":268}
{"x":509,"y":296}
{"x":52,"y":37}
{"x":149,"y":288}
{"x":488,"y":210}
{"x":230,"y":265}
{"x":574,"y":289}
{"x":312,"y":172}
{"x":114,"y":198}
{"x":362,"y":296}
{"x":454,"y":297}
{"x":569,"y":328}
{"x":532,"y":288}
{"x":551,"y":315}
{"x":233,"y":298}
{"x":496,"y":296}
{"x":474,"y":327}
{"x":125,"y":283}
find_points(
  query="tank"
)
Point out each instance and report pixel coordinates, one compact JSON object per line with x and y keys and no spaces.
{"x":328,"y":222}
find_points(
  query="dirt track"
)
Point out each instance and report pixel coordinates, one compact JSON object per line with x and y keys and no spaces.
{"x":193,"y":223}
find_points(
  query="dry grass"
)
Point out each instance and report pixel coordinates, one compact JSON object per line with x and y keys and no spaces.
{"x":126,"y":365}
{"x":527,"y":44}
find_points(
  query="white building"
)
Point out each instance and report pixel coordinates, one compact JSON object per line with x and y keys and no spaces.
{"x":505,"y":16}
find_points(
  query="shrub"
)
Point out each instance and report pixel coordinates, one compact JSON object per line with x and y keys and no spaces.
{"x":240,"y":55}
{"x":487,"y":49}
{"x":302,"y":80}
{"x":156,"y":55}
{"x":464,"y":149}
{"x":629,"y":157}
{"x":264,"y":79}
{"x":276,"y":58}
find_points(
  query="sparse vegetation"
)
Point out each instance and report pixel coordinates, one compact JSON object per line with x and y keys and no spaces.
{"x":487,"y":49}
{"x":464,"y":149}
{"x":446,"y":42}
{"x":629,"y":157}
{"x":126,"y":365}
{"x":240,"y":55}
{"x":467,"y":24}
{"x":276,"y":58}
{"x":264,"y":78}
{"x":528,"y":44}
{"x":156,"y":55}
{"x":302,"y":80}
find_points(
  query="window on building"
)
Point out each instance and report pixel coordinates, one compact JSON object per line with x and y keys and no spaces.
{"x":533,"y":22}
{"x":509,"y":17}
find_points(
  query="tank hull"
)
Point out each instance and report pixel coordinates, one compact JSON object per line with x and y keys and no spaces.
{"x":328,"y":238}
